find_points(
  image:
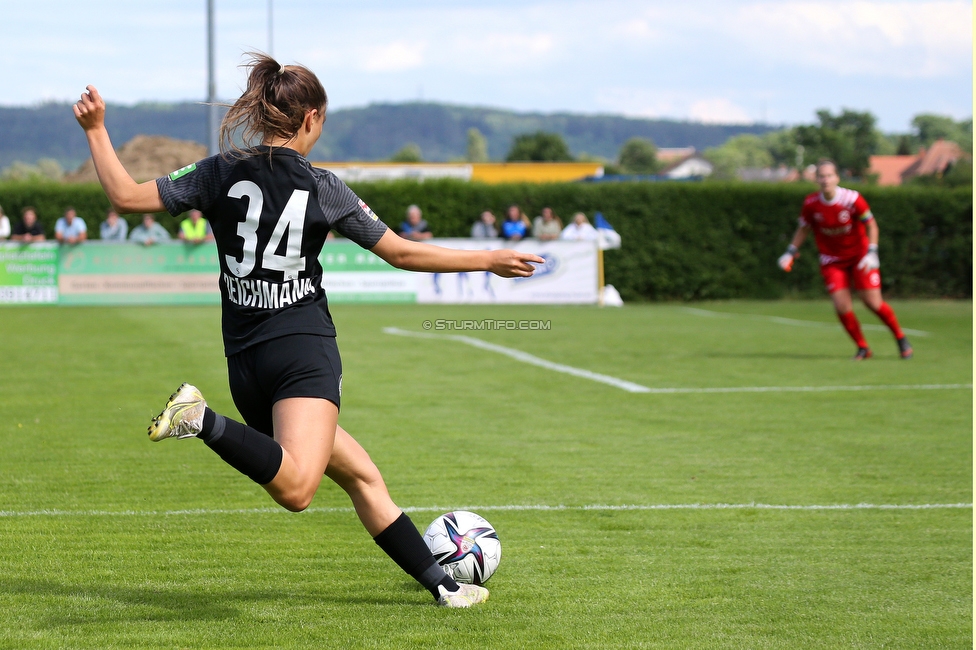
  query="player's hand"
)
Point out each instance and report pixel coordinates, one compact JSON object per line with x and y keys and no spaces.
{"x":90,"y":109}
{"x":869,"y":262}
{"x":513,"y":264}
{"x":785,"y":261}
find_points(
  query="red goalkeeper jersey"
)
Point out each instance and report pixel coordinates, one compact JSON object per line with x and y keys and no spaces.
{"x":838,"y":225}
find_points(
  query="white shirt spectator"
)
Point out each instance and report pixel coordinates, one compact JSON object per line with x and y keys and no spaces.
{"x":4,"y":227}
{"x":579,"y":232}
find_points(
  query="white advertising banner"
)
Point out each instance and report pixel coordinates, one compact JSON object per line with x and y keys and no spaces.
{"x":568,"y":276}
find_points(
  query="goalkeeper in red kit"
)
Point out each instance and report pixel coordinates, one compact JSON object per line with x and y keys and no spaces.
{"x":847,"y":238}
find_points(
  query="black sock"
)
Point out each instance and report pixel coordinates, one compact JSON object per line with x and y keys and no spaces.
{"x":406,"y":547}
{"x":247,"y":450}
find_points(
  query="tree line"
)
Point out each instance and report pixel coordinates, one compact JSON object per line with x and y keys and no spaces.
{"x":849,"y":138}
{"x":41,"y":142}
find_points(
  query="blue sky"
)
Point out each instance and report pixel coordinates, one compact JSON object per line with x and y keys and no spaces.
{"x":717,"y":61}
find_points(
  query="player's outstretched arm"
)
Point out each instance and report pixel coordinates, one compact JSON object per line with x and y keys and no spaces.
{"x":124,"y":193}
{"x":786,"y":260}
{"x":414,"y":256}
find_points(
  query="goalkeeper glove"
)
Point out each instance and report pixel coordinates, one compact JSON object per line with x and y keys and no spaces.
{"x":786,"y":260}
{"x":870,"y":261}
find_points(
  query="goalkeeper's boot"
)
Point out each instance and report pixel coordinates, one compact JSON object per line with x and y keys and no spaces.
{"x":182,"y":417}
{"x":905,"y":348}
{"x":466,"y":596}
{"x":862,"y":354}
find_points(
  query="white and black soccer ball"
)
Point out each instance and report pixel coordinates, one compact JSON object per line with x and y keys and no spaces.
{"x":466,"y":545}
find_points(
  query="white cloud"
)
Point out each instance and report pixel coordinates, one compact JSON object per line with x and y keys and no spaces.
{"x":637,"y":102}
{"x":699,"y":59}
{"x":894,"y":39}
{"x":497,"y":51}
{"x":646,"y":27}
{"x":718,"y":110}
{"x":640,"y":102}
{"x":394,"y":57}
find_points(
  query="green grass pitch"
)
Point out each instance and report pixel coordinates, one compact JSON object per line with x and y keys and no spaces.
{"x":108,"y":540}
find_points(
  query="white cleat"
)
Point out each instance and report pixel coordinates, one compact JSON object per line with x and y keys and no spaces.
{"x":466,"y":596}
{"x":182,"y":417}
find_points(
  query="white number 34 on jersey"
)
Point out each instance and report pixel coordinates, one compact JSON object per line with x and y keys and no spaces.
{"x":290,"y":226}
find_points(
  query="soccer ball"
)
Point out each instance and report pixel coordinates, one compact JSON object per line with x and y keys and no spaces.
{"x":465,"y":545}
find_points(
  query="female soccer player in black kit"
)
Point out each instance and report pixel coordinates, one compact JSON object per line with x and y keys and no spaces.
{"x":270,"y":212}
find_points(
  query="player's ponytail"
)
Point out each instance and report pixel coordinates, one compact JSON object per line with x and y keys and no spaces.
{"x":273,"y":105}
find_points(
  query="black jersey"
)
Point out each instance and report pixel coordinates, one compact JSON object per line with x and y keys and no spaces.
{"x":270,"y":215}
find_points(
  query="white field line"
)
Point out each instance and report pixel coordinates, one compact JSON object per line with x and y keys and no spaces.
{"x":515,"y":508}
{"x":796,"y":323}
{"x":807,"y":389}
{"x":637,"y":388}
{"x":525,"y":357}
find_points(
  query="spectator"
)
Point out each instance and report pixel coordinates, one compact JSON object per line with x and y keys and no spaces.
{"x":195,"y":229}
{"x":29,"y":228}
{"x":516,"y":225}
{"x":113,"y":228}
{"x":484,"y":228}
{"x":4,"y":225}
{"x":547,"y":226}
{"x":415,"y":227}
{"x":148,"y":232}
{"x":579,"y":230}
{"x":70,"y":229}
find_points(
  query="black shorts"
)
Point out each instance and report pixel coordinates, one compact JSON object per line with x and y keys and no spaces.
{"x":297,"y":365}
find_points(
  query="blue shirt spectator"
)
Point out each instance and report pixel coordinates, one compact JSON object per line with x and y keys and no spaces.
{"x":70,"y":229}
{"x":415,"y":227}
{"x":148,"y":232}
{"x":113,"y":228}
{"x":516,"y":225}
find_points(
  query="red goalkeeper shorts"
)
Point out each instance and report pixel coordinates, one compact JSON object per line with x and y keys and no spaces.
{"x":845,"y":274}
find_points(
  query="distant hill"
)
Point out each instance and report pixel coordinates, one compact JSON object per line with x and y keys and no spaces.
{"x":375,"y":132}
{"x":50,"y":130}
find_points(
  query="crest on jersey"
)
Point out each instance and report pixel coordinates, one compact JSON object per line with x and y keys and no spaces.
{"x":367,"y":210}
{"x":844,"y":216}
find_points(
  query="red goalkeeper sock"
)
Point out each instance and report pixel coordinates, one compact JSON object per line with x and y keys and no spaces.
{"x":887,"y":316}
{"x":849,"y":321}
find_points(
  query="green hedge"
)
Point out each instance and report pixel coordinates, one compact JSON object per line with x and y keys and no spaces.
{"x":50,"y":199}
{"x":692,"y":241}
{"x":682,"y":241}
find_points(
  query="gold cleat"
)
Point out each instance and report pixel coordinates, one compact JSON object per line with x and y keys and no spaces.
{"x":182,"y":417}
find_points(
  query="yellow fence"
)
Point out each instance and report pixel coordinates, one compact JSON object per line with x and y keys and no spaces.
{"x":515,"y":172}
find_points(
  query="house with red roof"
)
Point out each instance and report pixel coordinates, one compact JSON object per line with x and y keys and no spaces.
{"x":895,"y":170}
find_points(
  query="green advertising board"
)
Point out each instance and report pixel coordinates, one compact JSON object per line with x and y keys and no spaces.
{"x":173,"y":273}
{"x":352,"y":274}
{"x":28,"y":273}
{"x":96,"y":273}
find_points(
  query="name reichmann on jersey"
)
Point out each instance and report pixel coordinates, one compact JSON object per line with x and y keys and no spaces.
{"x":266,"y":295}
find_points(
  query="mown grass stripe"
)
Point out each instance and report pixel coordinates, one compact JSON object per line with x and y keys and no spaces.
{"x":486,"y":508}
{"x":525,"y":357}
{"x":808,"y":389}
{"x":796,"y":322}
{"x":631,"y":387}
